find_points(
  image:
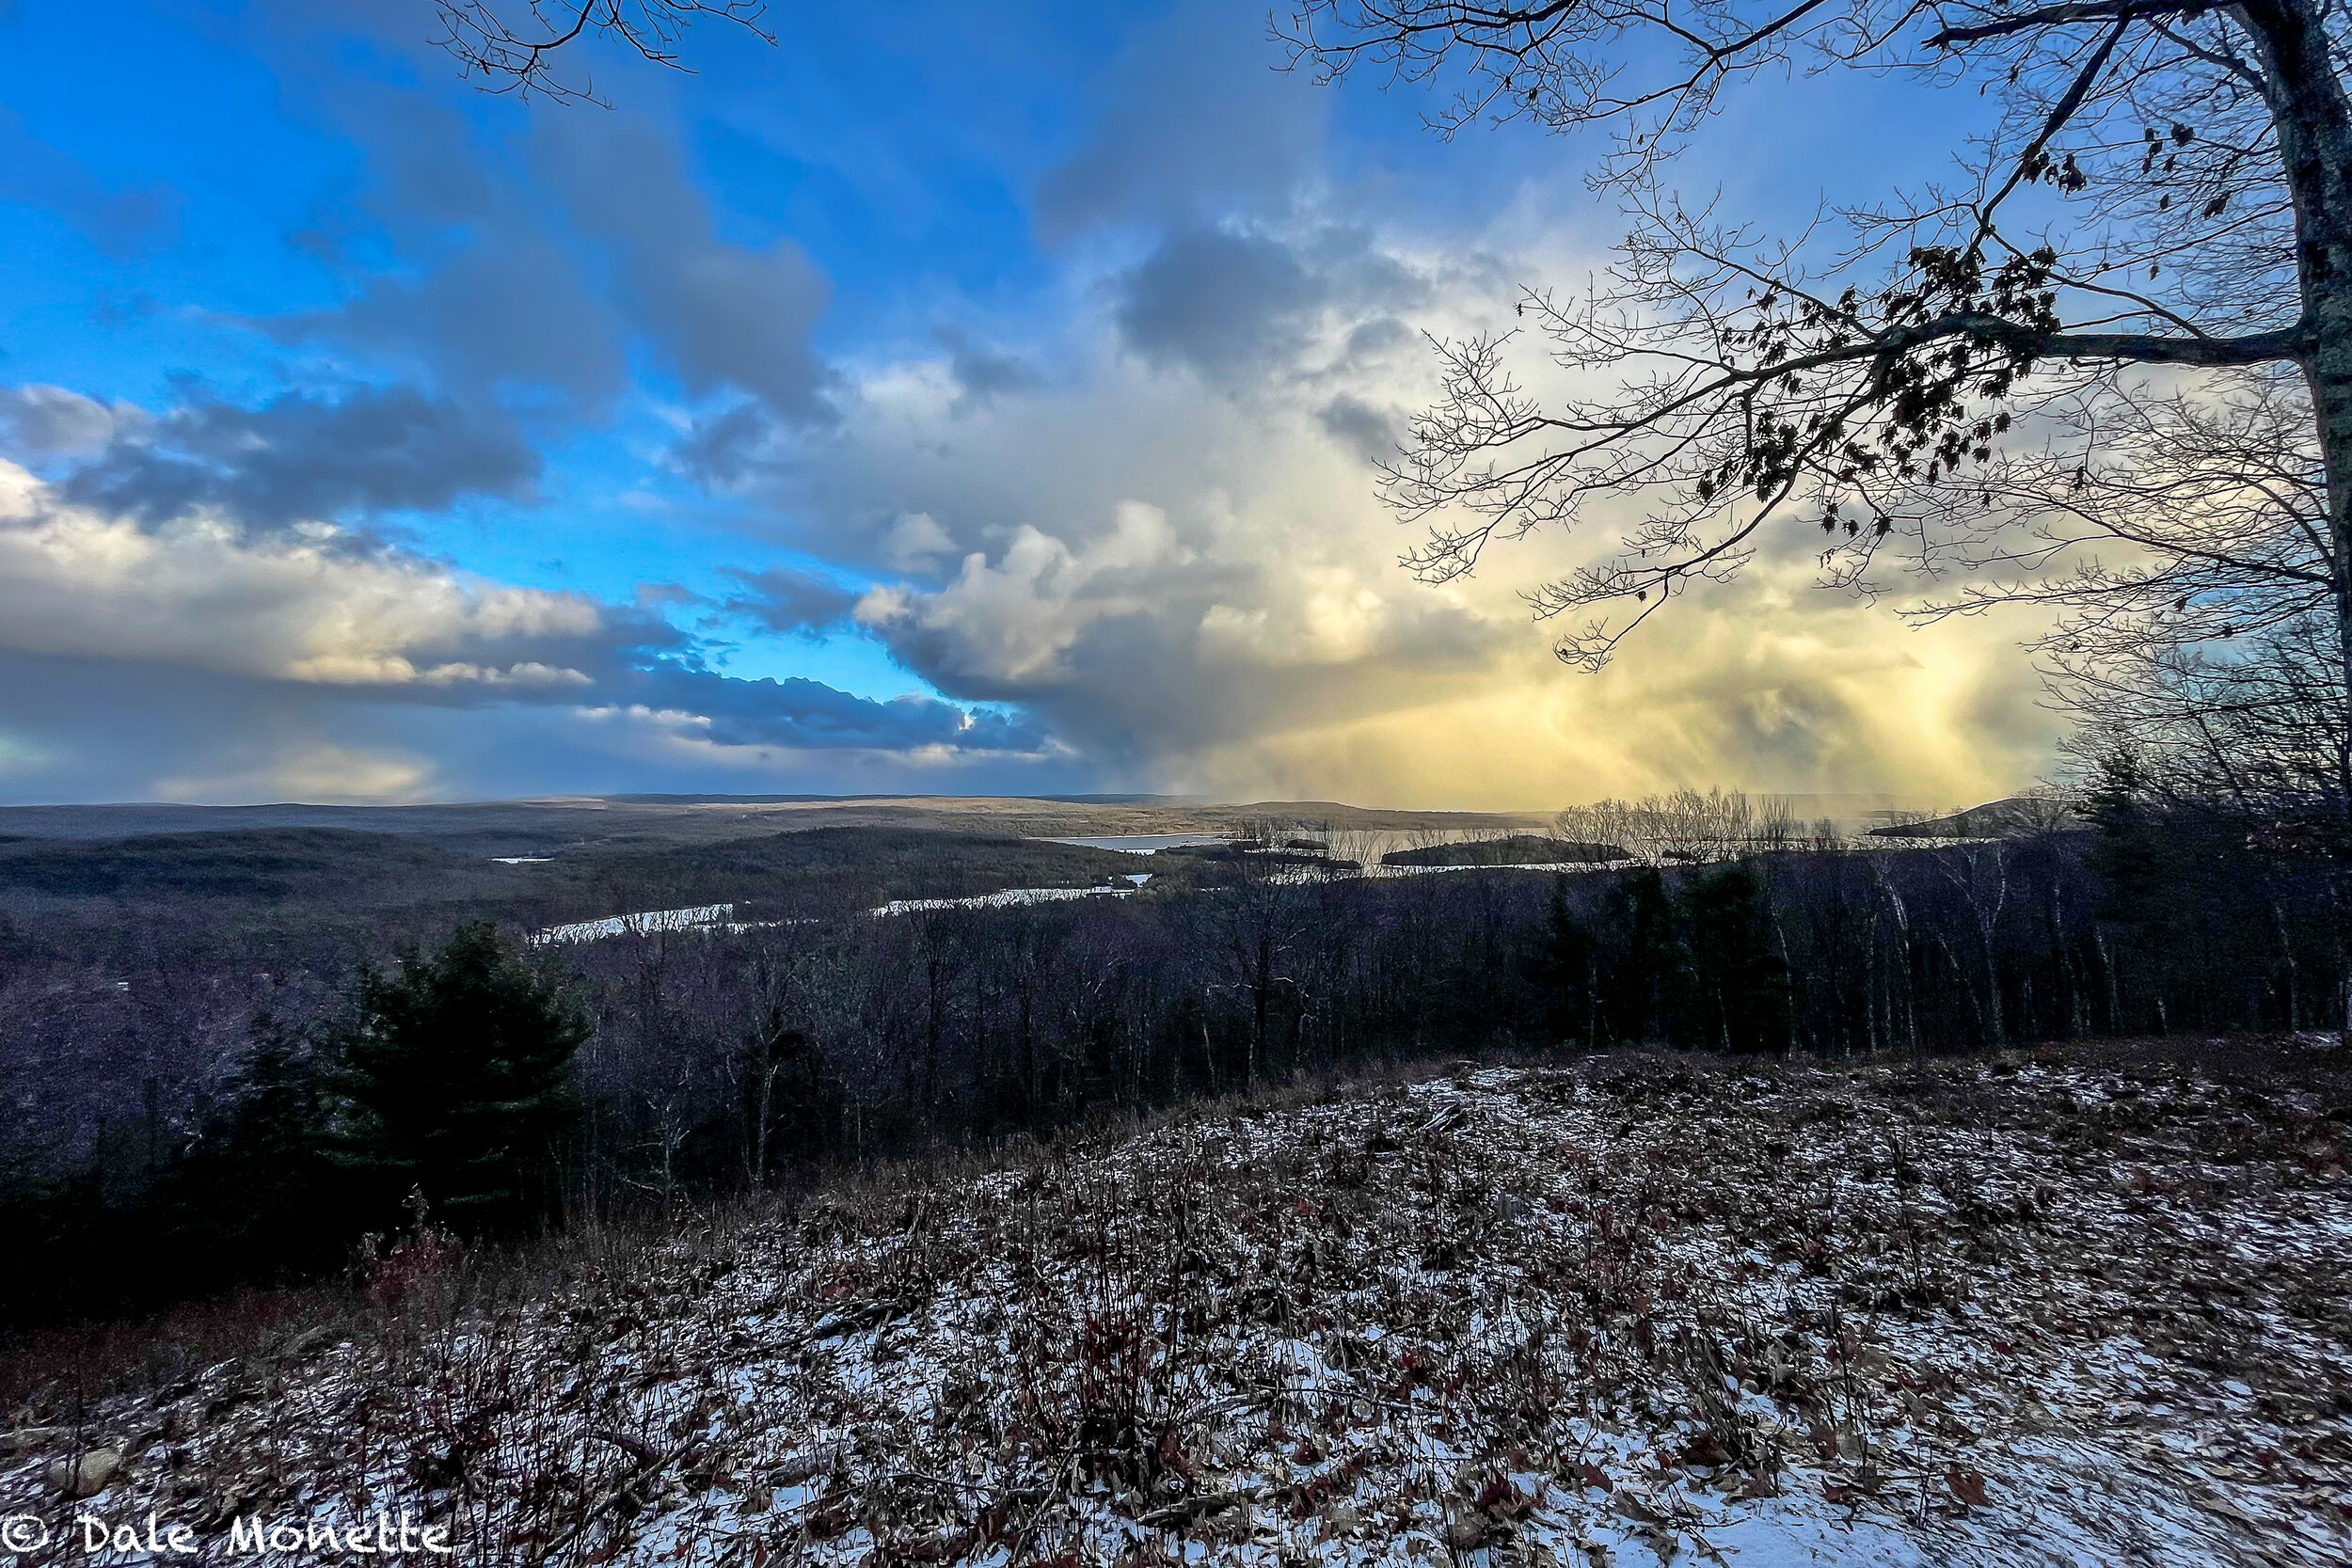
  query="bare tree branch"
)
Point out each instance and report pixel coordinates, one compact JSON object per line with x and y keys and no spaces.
{"x":522,"y":57}
{"x":2137,"y":420}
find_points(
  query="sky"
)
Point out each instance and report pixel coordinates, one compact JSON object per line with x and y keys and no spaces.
{"x":943,"y":399}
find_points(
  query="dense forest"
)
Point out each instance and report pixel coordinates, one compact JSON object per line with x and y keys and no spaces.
{"x":244,"y":1094}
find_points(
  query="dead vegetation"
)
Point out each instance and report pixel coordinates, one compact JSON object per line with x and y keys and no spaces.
{"x":2051,"y":1308}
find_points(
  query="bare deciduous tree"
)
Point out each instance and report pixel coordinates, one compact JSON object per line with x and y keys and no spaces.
{"x":1681,"y":827}
{"x":2127,"y":329}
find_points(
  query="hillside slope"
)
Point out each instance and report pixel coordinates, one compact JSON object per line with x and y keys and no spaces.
{"x":2024,"y":1312}
{"x":257,"y":865}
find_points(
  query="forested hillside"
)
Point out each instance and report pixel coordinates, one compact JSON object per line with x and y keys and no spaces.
{"x":184,"y":1054}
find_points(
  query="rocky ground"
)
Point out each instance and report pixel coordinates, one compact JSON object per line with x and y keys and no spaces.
{"x":2058,"y":1308}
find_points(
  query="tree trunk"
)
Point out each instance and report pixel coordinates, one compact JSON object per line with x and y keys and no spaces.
{"x":2314,"y":122}
{"x":933,"y":971}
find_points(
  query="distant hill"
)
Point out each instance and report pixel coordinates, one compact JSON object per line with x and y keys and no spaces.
{"x":267,"y":864}
{"x":1516,"y":849}
{"x":832,"y":869}
{"x":559,"y":824}
{"x":2011,"y":818}
{"x":297,"y":874}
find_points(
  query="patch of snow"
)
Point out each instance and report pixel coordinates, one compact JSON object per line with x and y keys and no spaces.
{"x":1009,"y":898}
{"x":1631,"y":1311}
{"x":638,"y":925}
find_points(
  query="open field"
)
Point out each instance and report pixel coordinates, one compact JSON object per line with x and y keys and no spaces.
{"x":2072,"y":1305}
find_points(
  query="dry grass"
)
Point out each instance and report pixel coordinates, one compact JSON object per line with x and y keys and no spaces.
{"x":2080,"y":1306}
{"x":56,"y":1373}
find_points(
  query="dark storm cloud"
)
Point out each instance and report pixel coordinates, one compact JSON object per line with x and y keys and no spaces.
{"x":982,"y":373}
{"x":501,"y":302}
{"x":808,"y":715}
{"x":1359,"y":427}
{"x":1224,"y":302}
{"x":118,"y":220}
{"x":432,"y":172}
{"x":97,"y":729}
{"x":38,"y":423}
{"x":797,"y":603}
{"x":1381,"y":335}
{"x":723,"y":450}
{"x":509,"y":315}
{"x":307,"y":455}
{"x":723,"y":315}
{"x":1193,"y":120}
{"x":531,"y":280}
{"x":1132,"y":685}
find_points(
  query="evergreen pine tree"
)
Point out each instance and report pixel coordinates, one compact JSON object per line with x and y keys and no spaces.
{"x":1640,"y":986}
{"x":1565,"y":971}
{"x":457,"y":1077}
{"x":2185,"y":880}
{"x":256,"y":1196}
{"x":1736,"y":998}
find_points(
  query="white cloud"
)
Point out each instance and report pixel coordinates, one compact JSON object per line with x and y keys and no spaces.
{"x":1015,"y":621}
{"x":197,"y":659}
{"x":915,"y":540}
{"x":304,"y":606}
{"x":1179,"y":560}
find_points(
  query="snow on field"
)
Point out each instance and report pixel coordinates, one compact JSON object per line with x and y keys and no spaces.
{"x":637,"y":925}
{"x":1294,"y":875}
{"x":1544,"y":866}
{"x":2021,"y":1313}
{"x":716,"y":917}
{"x":1009,"y":898}
{"x":1142,"y":844}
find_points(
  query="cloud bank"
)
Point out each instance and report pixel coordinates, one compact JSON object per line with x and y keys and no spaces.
{"x":1077,"y":494}
{"x":301,"y":647}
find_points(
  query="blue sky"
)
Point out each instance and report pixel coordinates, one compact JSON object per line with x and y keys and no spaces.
{"x":946,"y":398}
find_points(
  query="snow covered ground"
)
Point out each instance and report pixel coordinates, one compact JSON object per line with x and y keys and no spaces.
{"x":640,"y":924}
{"x":1554,"y":867}
{"x":2035,"y":1310}
{"x":1008,"y":899}
{"x":719,"y":917}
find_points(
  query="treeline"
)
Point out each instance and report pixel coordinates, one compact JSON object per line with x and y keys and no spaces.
{"x":509,"y":1089}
